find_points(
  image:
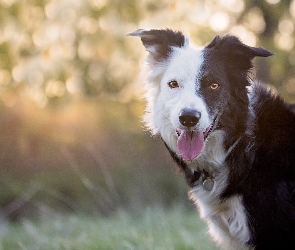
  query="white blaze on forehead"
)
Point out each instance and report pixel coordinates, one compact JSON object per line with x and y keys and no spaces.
{"x":184,"y":66}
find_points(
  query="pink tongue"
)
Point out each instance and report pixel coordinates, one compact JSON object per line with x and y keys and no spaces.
{"x":190,"y":144}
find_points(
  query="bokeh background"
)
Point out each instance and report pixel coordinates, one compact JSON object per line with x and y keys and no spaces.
{"x":71,"y":136}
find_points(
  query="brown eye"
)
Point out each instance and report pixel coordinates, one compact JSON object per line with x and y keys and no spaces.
{"x":173,"y":84}
{"x":214,"y":86}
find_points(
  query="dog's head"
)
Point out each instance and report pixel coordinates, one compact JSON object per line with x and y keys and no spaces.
{"x":189,"y":89}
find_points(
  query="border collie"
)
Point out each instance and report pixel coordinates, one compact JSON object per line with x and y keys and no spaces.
{"x":233,"y":138}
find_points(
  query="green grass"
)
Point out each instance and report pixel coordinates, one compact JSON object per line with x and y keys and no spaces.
{"x":149,"y":229}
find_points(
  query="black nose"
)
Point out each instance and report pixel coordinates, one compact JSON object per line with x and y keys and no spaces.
{"x":189,"y":117}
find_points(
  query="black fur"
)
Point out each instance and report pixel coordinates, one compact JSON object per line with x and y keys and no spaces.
{"x":164,"y":40}
{"x":268,"y":182}
{"x":262,"y":165}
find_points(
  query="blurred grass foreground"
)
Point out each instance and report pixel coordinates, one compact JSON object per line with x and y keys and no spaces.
{"x":151,"y":228}
{"x":73,"y":152}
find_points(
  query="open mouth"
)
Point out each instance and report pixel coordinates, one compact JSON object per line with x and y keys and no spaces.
{"x":191,"y":143}
{"x":210,"y":128}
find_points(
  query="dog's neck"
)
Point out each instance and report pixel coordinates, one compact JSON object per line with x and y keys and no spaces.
{"x":191,"y":176}
{"x":204,"y":169}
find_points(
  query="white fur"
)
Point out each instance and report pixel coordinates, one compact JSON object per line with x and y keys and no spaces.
{"x":164,"y":103}
{"x":226,"y":219}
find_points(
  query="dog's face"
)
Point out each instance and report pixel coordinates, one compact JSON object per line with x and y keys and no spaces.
{"x":189,"y":95}
{"x":189,"y":88}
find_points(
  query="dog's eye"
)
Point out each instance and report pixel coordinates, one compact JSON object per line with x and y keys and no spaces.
{"x":214,"y":86}
{"x":173,"y":84}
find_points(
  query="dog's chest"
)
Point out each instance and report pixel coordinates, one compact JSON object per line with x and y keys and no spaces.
{"x":226,"y":219}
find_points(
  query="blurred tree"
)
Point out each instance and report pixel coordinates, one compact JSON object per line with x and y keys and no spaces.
{"x":76,"y":51}
{"x":57,"y":50}
{"x":278,"y":36}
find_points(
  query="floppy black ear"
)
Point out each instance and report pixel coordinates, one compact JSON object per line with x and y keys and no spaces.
{"x":234,"y":51}
{"x":160,"y":42}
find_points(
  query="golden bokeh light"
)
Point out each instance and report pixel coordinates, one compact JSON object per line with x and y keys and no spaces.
{"x":84,"y":42}
{"x":272,"y":1}
{"x":5,"y":77}
{"x":55,"y":88}
{"x":244,"y":34}
{"x":219,"y":21}
{"x":235,"y":6}
{"x":290,"y":86}
{"x":286,"y":27}
{"x":284,"y":42}
{"x":254,"y":21}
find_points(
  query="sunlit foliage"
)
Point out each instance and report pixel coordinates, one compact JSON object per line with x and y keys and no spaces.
{"x":70,"y":94}
{"x":53,"y":51}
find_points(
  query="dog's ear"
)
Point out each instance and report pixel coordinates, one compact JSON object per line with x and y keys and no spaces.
{"x":235,"y":52}
{"x":159,"y":43}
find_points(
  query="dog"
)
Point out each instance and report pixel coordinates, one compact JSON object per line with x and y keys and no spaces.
{"x":231,"y":136}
